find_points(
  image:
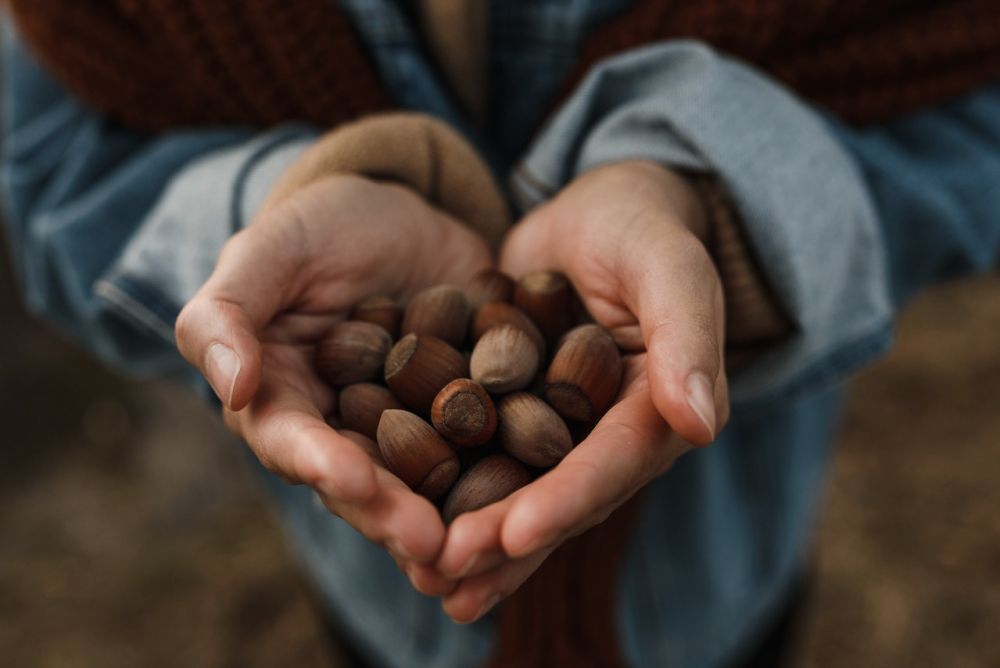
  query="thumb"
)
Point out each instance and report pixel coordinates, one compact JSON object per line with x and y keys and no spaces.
{"x":677,"y":297}
{"x":528,"y":246}
{"x":217,"y":331}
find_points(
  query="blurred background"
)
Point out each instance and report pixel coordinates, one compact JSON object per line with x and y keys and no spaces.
{"x":131,"y":532}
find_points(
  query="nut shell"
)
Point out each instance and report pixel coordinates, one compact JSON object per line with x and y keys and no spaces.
{"x":380,"y":310}
{"x":416,"y":453}
{"x":352,"y":352}
{"x":532,"y":431}
{"x":505,"y":359}
{"x":361,"y":407}
{"x":493,"y":314}
{"x":441,"y":311}
{"x":464,"y":414}
{"x":489,"y":285}
{"x":585,"y":374}
{"x":418,"y":367}
{"x":491,"y":480}
{"x":548,"y":299}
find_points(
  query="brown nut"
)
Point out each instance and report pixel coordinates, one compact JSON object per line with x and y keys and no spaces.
{"x":361,"y":407}
{"x":585,"y":374}
{"x":441,"y":311}
{"x":418,"y":367}
{"x":493,"y":314}
{"x":548,"y":299}
{"x":380,"y":310}
{"x":491,"y":480}
{"x":504,"y":359}
{"x":416,"y":453}
{"x":464,"y":413}
{"x":352,"y":352}
{"x":532,"y":431}
{"x":489,"y":285}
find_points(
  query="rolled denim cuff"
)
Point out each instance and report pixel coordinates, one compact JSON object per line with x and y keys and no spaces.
{"x":803,"y":206}
{"x":175,"y":248}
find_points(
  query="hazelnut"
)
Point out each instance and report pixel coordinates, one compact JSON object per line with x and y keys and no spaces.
{"x":352,"y":352}
{"x":441,"y":311}
{"x":416,"y":453}
{"x":548,"y":299}
{"x":464,"y":413}
{"x":504,"y":359}
{"x":491,"y":480}
{"x":361,"y":407}
{"x":493,"y":314}
{"x":380,"y":310}
{"x":585,"y":374}
{"x":532,"y":431}
{"x":489,"y":285}
{"x":418,"y":367}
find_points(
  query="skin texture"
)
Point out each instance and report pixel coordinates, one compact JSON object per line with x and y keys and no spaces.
{"x":277,"y":287}
{"x":629,"y":237}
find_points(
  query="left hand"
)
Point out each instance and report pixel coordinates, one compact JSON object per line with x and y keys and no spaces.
{"x":630,"y":238}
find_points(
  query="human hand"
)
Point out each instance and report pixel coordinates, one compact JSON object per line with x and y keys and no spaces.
{"x":630,"y":238}
{"x":277,"y":287}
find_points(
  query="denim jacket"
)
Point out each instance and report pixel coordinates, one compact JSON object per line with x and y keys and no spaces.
{"x":113,"y":230}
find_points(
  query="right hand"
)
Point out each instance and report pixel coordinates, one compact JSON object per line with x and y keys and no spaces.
{"x":277,"y":286}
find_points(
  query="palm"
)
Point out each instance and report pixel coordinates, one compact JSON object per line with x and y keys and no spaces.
{"x":277,"y":287}
{"x":626,"y":237}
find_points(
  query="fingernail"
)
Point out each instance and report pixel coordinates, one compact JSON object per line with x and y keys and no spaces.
{"x":701,"y":399}
{"x":222,"y":368}
{"x":490,"y":602}
{"x":397,"y":549}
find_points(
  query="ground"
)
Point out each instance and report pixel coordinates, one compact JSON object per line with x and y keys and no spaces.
{"x":132,"y":534}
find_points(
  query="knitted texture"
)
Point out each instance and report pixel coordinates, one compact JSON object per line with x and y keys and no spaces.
{"x":864,"y":61}
{"x":159,"y":63}
{"x":155,"y":64}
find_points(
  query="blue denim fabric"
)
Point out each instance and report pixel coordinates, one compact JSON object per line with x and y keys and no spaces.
{"x":98,"y":215}
{"x":821,"y":254}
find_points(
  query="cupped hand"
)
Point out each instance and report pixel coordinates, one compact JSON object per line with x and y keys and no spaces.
{"x":630,"y":236}
{"x":277,"y":286}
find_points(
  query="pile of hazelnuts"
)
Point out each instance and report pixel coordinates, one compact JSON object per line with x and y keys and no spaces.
{"x":471,"y":393}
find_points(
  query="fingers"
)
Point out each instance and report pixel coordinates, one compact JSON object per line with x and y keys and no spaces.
{"x":649,"y":269}
{"x":670,"y":283}
{"x":217,"y":330}
{"x":284,"y":427}
{"x":473,"y":545}
{"x":399,"y":522}
{"x":629,"y":447}
{"x":477,"y":595}
{"x":406,"y":524}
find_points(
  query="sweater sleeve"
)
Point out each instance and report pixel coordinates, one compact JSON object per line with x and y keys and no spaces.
{"x":111,"y":230}
{"x":841,"y":224}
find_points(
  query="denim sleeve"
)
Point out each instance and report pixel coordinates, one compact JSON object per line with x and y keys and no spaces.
{"x":806,"y":211}
{"x":935,"y":179}
{"x":111,"y":230}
